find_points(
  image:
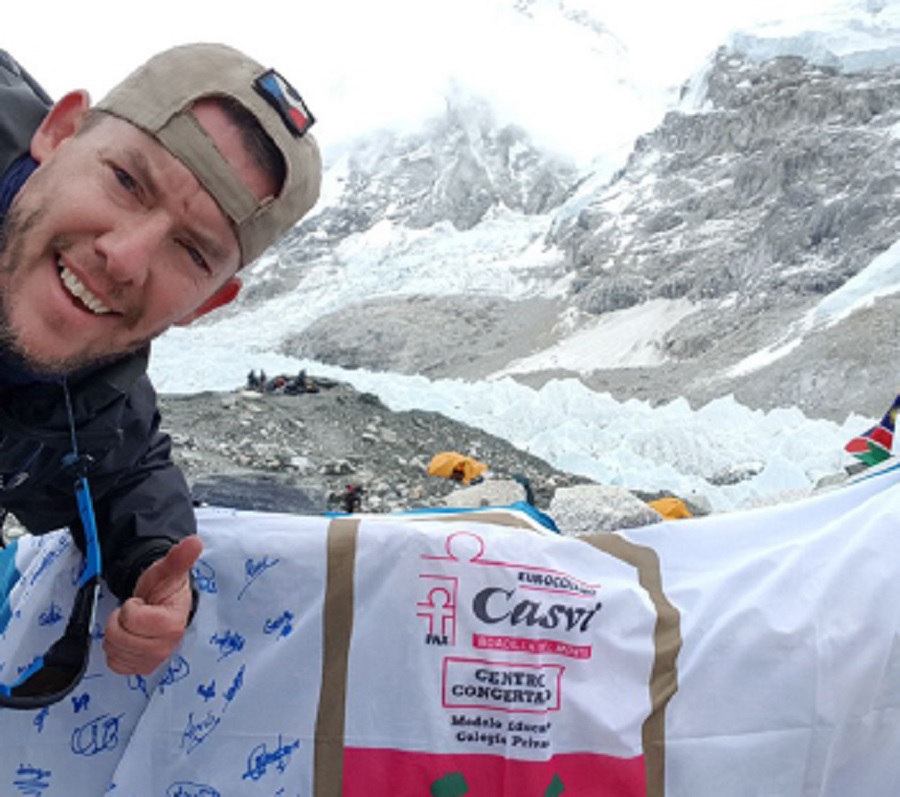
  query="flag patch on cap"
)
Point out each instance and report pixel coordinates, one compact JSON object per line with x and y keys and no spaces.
{"x":285,"y":99}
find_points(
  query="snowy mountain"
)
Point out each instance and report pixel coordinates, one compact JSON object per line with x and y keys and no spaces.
{"x":742,"y":218}
{"x":743,"y":246}
{"x":768,"y":188}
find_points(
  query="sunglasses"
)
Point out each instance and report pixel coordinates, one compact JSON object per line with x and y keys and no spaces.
{"x":49,"y":678}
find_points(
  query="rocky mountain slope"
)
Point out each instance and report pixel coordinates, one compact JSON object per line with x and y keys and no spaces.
{"x":780,"y":189}
{"x":772,"y":187}
{"x":455,"y":171}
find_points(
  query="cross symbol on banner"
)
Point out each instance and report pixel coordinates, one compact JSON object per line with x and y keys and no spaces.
{"x":439,"y":607}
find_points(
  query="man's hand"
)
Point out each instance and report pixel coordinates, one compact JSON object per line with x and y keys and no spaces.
{"x":145,"y":630}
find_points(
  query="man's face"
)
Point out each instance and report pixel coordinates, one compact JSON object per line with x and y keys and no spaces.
{"x":112,"y":241}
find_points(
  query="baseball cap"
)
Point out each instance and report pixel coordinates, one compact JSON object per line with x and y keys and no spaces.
{"x":157,"y":98}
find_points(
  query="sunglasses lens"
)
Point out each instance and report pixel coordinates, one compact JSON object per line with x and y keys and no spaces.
{"x":49,"y":683}
{"x":64,"y":663}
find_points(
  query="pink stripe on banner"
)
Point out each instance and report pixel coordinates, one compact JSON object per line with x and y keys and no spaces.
{"x":403,"y":774}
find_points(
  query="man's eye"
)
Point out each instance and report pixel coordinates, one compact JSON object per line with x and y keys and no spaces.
{"x":125,"y":179}
{"x":196,"y":255}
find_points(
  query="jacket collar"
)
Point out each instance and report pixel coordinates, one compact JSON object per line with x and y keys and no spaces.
{"x":13,"y":179}
{"x":97,"y":394}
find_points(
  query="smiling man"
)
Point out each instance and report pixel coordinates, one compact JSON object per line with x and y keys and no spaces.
{"x":119,"y":221}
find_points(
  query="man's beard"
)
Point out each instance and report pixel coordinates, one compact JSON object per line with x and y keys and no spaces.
{"x":13,"y":231}
{"x":12,"y":234}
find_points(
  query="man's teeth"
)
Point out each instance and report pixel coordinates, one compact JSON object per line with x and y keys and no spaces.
{"x":77,"y":289}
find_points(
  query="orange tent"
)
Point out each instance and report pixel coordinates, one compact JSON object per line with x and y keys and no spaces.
{"x":671,"y":508}
{"x":455,"y":466}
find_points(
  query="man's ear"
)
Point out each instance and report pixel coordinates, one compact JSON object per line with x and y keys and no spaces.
{"x":60,"y":123}
{"x":226,"y":294}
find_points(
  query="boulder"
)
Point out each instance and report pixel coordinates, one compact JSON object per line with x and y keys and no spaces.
{"x":587,"y":508}
{"x":491,"y":492}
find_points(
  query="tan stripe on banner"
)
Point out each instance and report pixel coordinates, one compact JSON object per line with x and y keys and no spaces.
{"x":337,"y":627}
{"x":667,"y":642}
{"x":515,"y":519}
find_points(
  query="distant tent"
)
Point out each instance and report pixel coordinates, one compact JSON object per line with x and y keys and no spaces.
{"x":671,"y":508}
{"x":458,"y":467}
{"x":874,"y":445}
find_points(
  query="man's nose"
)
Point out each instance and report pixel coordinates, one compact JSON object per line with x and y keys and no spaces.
{"x":130,"y":246}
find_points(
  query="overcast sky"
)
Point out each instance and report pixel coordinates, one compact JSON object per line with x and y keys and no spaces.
{"x":359,"y":63}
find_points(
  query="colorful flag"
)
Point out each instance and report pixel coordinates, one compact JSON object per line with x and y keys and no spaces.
{"x":285,"y":99}
{"x":874,"y":445}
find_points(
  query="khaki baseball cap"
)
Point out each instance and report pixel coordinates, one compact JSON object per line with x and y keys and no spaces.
{"x":157,"y":98}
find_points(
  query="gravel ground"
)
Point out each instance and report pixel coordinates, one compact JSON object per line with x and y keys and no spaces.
{"x":299,"y":453}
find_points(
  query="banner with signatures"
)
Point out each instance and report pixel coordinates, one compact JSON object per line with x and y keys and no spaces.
{"x":477,"y":653}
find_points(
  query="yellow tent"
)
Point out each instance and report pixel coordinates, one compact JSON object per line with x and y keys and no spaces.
{"x":671,"y":508}
{"x":455,"y":466}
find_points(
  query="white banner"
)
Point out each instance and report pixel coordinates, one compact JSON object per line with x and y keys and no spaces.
{"x":476,"y":653}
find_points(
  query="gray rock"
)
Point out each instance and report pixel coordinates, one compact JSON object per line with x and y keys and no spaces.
{"x":589,"y":508}
{"x":491,"y":492}
{"x":433,"y":336}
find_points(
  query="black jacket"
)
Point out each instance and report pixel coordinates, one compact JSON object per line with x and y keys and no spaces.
{"x":142,"y":501}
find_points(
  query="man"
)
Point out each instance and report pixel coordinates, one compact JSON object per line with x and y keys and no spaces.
{"x":117,"y":222}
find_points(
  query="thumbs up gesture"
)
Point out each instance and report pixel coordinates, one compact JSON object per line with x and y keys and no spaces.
{"x":145,"y":630}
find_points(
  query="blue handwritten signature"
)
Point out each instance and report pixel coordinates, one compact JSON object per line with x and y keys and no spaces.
{"x":207,"y":691}
{"x":32,"y":665}
{"x":49,"y":558}
{"x":228,"y":642}
{"x":137,"y":683}
{"x":186,"y":789}
{"x":236,"y":685}
{"x":253,"y":570}
{"x":39,"y":719}
{"x":195,"y":733}
{"x":282,"y":625}
{"x":97,"y":631}
{"x":205,"y":577}
{"x":51,"y":616}
{"x":97,"y":736}
{"x":32,"y":780}
{"x":177,"y":670}
{"x":260,"y":759}
{"x":81,"y":702}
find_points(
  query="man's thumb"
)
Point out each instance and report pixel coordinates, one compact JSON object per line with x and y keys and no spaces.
{"x":168,"y":576}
